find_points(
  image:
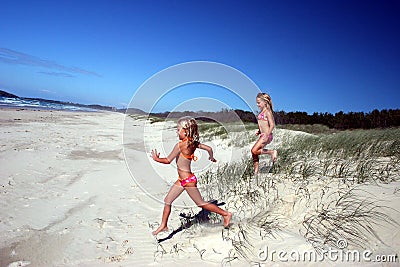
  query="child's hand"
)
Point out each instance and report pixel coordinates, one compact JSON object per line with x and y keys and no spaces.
{"x":212,"y":159}
{"x":155,"y":155}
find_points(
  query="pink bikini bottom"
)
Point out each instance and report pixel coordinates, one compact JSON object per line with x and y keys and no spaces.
{"x":190,"y":179}
{"x":269,"y":138}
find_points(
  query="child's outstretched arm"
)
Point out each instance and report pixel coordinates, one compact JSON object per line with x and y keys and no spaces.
{"x":174,"y":153}
{"x":209,"y":150}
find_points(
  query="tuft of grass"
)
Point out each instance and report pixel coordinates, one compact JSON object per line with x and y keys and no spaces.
{"x":345,"y":215}
{"x":364,"y":170}
{"x":307,"y":169}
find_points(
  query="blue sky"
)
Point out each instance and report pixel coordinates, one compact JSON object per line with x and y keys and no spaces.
{"x":313,"y":56}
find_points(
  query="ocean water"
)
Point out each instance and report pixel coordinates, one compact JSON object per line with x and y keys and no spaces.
{"x":6,"y":102}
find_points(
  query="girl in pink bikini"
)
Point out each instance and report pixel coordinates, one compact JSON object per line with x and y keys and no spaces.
{"x":183,"y":153}
{"x":266,"y":125}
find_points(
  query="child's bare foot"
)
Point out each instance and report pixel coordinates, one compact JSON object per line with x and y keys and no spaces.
{"x":227,"y":219}
{"x":274,"y":155}
{"x":256,"y":167}
{"x":160,"y":229}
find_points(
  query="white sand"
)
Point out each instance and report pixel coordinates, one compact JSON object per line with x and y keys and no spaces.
{"x":68,"y":197}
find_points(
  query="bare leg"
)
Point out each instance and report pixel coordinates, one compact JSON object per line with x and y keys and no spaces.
{"x":272,"y":153}
{"x":255,"y":162}
{"x":163,"y":226}
{"x":255,"y":151}
{"x":195,"y":195}
{"x":258,"y":149}
{"x":225,"y":214}
{"x":173,"y":193}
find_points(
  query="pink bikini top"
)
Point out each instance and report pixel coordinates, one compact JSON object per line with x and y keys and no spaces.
{"x":261,"y":116}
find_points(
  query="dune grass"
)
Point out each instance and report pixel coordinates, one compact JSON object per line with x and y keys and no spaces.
{"x":360,"y":156}
{"x":340,"y":162}
{"x":345,"y":215}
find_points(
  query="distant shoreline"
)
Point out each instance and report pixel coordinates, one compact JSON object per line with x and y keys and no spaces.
{"x":14,"y":108}
{"x":11,"y":100}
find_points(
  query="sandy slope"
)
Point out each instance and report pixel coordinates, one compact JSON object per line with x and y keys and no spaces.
{"x":69,"y":199}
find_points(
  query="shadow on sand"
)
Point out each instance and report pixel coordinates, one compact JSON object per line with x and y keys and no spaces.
{"x":188,"y":221}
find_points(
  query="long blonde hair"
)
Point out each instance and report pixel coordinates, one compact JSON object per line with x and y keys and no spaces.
{"x":189,"y":124}
{"x":267,"y":98}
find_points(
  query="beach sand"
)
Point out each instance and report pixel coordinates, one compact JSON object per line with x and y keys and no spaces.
{"x":69,"y":199}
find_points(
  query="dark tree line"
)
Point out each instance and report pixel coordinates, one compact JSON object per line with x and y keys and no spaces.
{"x":224,"y":115}
{"x":342,"y":121}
